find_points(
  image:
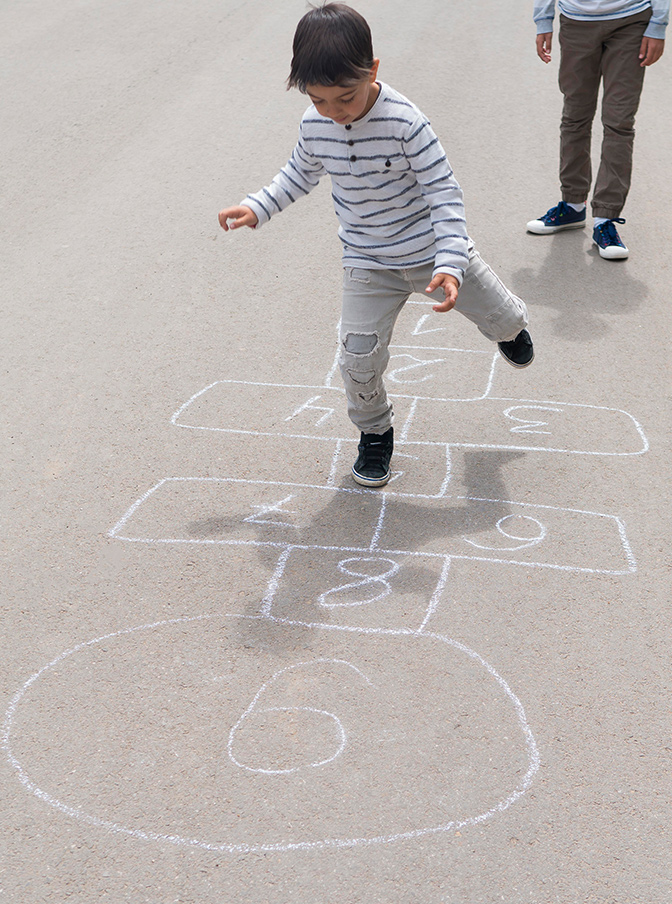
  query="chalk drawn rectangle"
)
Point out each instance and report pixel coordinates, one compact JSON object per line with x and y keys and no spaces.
{"x":427,"y":370}
{"x":366,"y":590}
{"x":267,"y":409}
{"x":524,"y":424}
{"x":229,"y":511}
{"x":503,"y":531}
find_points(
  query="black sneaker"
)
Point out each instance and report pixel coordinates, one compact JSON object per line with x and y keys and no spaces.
{"x":519,"y":351}
{"x":372,"y":468}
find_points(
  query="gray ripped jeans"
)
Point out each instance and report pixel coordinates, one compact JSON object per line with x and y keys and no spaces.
{"x":372,"y":300}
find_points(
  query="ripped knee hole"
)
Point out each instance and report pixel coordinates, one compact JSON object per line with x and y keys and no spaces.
{"x":361,"y":343}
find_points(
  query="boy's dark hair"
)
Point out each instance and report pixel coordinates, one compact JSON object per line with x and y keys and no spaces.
{"x":332,"y":46}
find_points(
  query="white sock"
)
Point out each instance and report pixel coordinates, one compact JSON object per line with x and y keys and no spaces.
{"x":599,"y":220}
{"x":577,"y":207}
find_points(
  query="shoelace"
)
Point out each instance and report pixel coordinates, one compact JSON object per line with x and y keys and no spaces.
{"x":554,"y":213}
{"x":608,"y":233}
{"x":551,"y":214}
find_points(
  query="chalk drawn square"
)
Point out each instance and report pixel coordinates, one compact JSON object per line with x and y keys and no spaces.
{"x":417,"y":469}
{"x":523,"y":424}
{"x":437,"y":372}
{"x":230,"y":511}
{"x":502,"y":531}
{"x":365,"y":589}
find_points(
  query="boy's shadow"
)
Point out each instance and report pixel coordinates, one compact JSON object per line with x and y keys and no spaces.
{"x":584,"y":291}
{"x":461,"y":514}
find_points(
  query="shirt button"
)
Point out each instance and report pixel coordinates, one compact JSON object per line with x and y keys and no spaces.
{"x":348,"y":126}
{"x":351,"y":142}
{"x":353,"y":158}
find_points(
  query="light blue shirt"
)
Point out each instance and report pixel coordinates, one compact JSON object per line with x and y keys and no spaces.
{"x":592,"y":10}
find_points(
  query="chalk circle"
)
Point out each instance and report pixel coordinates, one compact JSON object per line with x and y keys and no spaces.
{"x":399,"y":763}
{"x":530,"y":529}
{"x":320,"y":729}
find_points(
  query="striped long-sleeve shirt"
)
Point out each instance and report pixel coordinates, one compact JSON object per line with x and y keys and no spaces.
{"x":395,"y":195}
{"x":591,"y":10}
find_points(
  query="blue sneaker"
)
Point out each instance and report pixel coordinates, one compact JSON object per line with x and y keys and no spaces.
{"x":608,"y":240}
{"x":557,"y":218}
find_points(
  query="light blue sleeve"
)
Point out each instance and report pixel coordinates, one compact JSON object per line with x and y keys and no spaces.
{"x":659,"y":19}
{"x":544,"y":11}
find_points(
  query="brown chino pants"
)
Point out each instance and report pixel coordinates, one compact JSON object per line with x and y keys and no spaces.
{"x":591,"y":52}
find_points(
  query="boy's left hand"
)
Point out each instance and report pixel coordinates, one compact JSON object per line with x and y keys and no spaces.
{"x":450,"y":288}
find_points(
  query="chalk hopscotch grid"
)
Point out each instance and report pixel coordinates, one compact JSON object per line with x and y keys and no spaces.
{"x":415,"y":398}
{"x":333,"y":370}
{"x":273,"y":583}
{"x":99,"y":822}
{"x":117,"y":531}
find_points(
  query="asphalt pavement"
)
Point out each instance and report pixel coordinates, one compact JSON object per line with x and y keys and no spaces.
{"x":228,"y":673}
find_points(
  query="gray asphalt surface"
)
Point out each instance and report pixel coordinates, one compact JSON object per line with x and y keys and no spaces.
{"x":226,"y":676}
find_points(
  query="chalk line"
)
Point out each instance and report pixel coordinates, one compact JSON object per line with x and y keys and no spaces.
{"x":284,"y":846}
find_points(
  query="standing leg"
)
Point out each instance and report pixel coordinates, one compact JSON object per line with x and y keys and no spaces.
{"x":579,"y":80}
{"x":623,"y":81}
{"x":372,"y":300}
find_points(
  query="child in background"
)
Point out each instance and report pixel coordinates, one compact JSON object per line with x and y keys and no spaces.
{"x":608,"y":41}
{"x":401,"y":217}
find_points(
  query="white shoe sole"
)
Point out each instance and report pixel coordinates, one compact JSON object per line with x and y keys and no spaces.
{"x":613,"y":252}
{"x":371,"y":482}
{"x":513,"y":363}
{"x":540,"y":228}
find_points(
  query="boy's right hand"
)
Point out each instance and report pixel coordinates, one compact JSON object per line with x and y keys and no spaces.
{"x":544,"y":42}
{"x":241,"y":216}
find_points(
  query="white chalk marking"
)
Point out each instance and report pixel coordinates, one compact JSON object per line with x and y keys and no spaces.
{"x":253,"y":708}
{"x":331,"y":480}
{"x":288,"y":709}
{"x":491,"y":376}
{"x":528,"y":542}
{"x":392,"y":375}
{"x":419,"y":331}
{"x":436,"y":596}
{"x":196,"y":395}
{"x":336,"y":842}
{"x":438,"y":348}
{"x":415,"y":398}
{"x":266,"y":509}
{"x":309,"y":406}
{"x":443,"y":489}
{"x":526,"y":425}
{"x":409,"y":420}
{"x":385,"y":498}
{"x":334,"y":366}
{"x":274,"y":582}
{"x":366,"y":580}
{"x":381,"y":520}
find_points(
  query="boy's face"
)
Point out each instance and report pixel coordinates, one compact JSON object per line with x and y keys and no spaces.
{"x":345,"y":103}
